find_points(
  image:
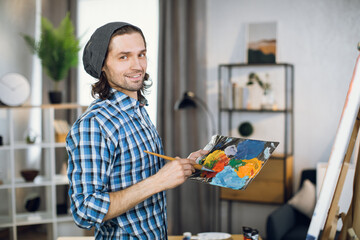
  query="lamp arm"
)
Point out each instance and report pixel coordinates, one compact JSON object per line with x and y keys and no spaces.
{"x":206,"y":109}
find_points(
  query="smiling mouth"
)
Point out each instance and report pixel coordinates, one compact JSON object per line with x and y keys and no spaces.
{"x":134,"y":76}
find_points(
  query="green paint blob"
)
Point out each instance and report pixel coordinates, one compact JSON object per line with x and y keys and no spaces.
{"x":236,"y":163}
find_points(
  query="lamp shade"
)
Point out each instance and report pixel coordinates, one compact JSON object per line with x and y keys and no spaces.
{"x":187,"y":101}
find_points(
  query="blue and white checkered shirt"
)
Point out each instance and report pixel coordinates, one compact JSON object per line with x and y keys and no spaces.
{"x":106,"y":154}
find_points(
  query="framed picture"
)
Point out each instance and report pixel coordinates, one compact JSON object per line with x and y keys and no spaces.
{"x":261,"y":42}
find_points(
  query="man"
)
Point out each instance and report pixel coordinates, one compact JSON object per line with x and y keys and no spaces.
{"x":115,"y":186}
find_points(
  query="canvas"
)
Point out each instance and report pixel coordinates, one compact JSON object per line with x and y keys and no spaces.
{"x":235,"y":161}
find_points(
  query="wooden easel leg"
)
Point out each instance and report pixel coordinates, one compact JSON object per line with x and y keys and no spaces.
{"x":346,"y":223}
{"x":331,"y":220}
{"x":356,"y":199}
{"x":352,"y":217}
{"x":334,"y":224}
{"x":328,"y":232}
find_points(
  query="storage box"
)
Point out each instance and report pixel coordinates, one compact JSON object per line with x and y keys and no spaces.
{"x":60,"y":137}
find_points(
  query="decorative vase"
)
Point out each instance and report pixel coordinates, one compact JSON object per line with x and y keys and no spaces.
{"x":55,"y":97}
{"x":245,"y":129}
{"x":268,"y":100}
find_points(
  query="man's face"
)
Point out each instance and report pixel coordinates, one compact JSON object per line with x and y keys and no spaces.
{"x":125,"y":64}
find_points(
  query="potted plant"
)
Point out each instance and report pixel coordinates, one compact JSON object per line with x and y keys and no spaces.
{"x":268,"y":101}
{"x":253,"y":77}
{"x":58,"y":51}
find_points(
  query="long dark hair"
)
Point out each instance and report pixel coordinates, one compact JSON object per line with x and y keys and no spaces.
{"x":102,"y":88}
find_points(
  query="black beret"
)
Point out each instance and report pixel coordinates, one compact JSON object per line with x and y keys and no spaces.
{"x":96,"y":48}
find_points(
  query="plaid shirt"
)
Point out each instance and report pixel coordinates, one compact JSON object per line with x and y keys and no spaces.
{"x":106,"y":154}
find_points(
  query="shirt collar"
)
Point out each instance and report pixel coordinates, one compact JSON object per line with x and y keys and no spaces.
{"x":126,"y":103}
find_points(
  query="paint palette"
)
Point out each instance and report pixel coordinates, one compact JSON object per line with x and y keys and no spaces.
{"x":235,"y":161}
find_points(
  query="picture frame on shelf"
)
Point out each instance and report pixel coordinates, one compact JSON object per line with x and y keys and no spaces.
{"x":261,"y":42}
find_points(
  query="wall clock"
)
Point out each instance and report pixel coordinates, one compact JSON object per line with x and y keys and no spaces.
{"x":14,"y":89}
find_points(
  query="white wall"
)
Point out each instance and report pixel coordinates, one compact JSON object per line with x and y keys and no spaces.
{"x":16,"y":17}
{"x":319,"y":38}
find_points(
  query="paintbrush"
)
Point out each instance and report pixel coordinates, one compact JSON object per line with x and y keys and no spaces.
{"x":196,"y":166}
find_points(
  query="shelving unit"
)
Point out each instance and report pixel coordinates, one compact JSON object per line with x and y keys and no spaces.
{"x":46,"y":155}
{"x":274,"y":183}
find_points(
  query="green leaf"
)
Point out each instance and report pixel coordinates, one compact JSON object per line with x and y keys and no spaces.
{"x":30,"y":41}
{"x":57,"y":48}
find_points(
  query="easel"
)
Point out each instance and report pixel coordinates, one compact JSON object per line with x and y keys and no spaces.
{"x":351,"y":221}
{"x":327,"y":203}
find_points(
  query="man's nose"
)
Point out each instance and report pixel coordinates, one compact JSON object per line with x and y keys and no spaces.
{"x":135,"y":63}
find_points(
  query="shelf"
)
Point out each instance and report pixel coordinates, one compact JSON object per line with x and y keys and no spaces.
{"x":5,"y":147}
{"x":61,"y":179}
{"x":46,"y":106}
{"x":5,"y":185}
{"x":24,"y":145}
{"x":47,"y":155}
{"x":227,"y":65}
{"x":60,"y":145}
{"x":252,"y":110}
{"x":39,"y":181}
{"x":5,"y":221}
{"x":33,"y":218}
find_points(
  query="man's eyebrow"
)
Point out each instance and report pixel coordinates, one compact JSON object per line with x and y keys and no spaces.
{"x":126,"y":53}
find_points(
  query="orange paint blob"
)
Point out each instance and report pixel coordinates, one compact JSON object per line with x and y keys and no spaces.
{"x":250,"y":169}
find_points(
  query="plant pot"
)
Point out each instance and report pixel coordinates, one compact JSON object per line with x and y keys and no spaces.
{"x":55,"y":97}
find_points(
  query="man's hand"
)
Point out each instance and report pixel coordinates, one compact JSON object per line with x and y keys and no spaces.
{"x":176,"y":172}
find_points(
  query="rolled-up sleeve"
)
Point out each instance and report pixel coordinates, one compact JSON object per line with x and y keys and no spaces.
{"x":88,"y":172}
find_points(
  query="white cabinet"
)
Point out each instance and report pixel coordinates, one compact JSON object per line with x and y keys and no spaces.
{"x":47,"y":212}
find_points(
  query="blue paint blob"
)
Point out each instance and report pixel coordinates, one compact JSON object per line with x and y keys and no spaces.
{"x":229,"y":178}
{"x":249,"y":149}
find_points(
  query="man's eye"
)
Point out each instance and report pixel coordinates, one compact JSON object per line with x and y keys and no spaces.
{"x":142,"y":55}
{"x":123,"y":57}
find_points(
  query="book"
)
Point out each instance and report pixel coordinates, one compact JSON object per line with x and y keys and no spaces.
{"x":240,"y":97}
{"x":235,"y":161}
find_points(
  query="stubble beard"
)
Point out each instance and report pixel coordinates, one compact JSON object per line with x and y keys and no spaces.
{"x":128,"y":85}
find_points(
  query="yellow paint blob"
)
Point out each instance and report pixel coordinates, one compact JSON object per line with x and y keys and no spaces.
{"x":214,"y":157}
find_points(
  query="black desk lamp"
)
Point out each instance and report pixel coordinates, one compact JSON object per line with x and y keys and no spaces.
{"x":189,"y":100}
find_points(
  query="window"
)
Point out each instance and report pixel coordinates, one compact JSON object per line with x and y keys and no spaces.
{"x":142,"y":13}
